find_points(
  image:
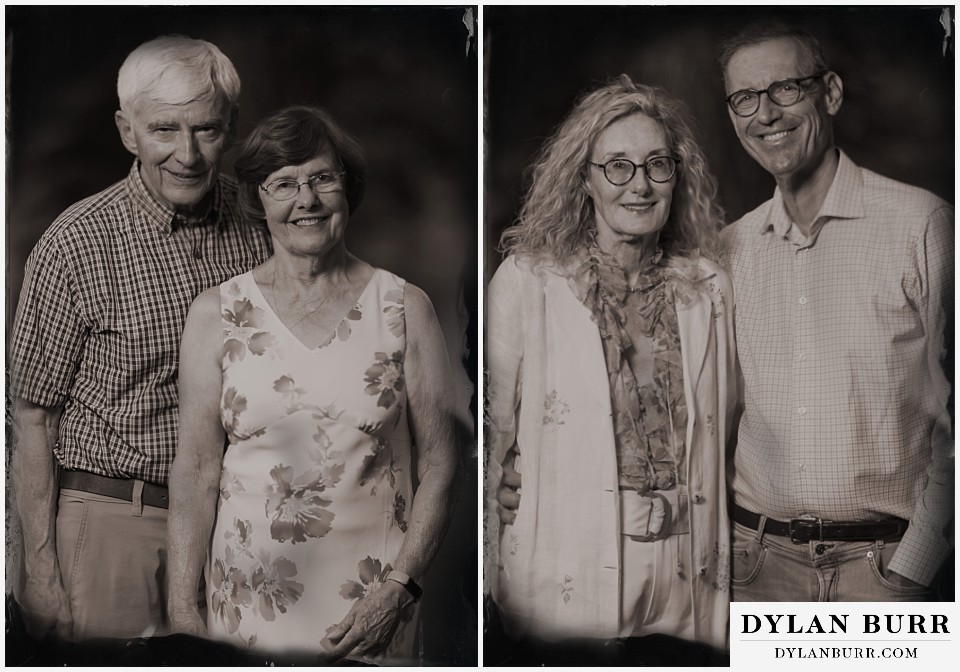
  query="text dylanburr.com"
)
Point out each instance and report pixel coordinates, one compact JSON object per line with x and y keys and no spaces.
{"x":911,"y":635}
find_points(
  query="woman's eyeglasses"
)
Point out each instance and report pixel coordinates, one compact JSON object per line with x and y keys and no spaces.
{"x":321,"y":183}
{"x":620,"y":171}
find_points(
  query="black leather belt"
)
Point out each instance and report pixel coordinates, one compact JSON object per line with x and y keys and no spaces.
{"x":802,"y":530}
{"x":119,"y":488}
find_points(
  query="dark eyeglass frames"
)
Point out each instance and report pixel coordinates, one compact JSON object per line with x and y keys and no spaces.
{"x":784,"y":93}
{"x":620,"y":171}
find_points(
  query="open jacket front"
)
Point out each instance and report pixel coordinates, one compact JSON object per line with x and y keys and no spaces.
{"x":555,"y":572}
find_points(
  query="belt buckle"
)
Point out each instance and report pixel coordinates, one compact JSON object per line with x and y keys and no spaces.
{"x":667,"y":528}
{"x":806,"y":524}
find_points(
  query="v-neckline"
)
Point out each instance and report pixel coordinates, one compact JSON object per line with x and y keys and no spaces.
{"x":333,"y":335}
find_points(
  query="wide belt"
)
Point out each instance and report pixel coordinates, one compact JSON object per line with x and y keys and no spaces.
{"x":118,"y":488}
{"x":802,"y":530}
{"x":655,"y":514}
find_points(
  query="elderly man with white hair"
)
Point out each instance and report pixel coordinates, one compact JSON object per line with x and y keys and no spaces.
{"x":94,"y":350}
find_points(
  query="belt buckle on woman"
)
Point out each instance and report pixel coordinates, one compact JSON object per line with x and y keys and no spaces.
{"x":655,"y":514}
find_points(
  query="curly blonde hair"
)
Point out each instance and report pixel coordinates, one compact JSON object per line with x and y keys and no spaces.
{"x":557,"y":217}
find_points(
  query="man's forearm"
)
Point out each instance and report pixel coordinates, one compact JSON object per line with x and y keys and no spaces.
{"x":33,"y":471}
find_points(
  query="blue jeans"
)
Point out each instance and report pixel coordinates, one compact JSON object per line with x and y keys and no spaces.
{"x":769,"y":568}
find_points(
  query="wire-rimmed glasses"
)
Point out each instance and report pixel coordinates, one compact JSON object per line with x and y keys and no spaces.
{"x":284,"y":189}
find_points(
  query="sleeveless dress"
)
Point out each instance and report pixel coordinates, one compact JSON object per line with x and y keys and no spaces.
{"x":316,"y":482}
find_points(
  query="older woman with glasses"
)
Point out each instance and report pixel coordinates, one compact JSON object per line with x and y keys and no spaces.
{"x":612,"y":385}
{"x":310,"y":389}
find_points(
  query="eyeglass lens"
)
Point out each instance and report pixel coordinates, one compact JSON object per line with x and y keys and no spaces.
{"x":283,"y":190}
{"x":621,"y":171}
{"x":784,"y":93}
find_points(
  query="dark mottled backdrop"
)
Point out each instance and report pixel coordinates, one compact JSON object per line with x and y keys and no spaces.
{"x":897,"y":116}
{"x":404,"y":80}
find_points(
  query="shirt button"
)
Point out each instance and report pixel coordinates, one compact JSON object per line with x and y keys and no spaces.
{"x":803,"y":300}
{"x":803,"y":467}
{"x":802,"y":410}
{"x":802,"y":357}
{"x":697,"y":497}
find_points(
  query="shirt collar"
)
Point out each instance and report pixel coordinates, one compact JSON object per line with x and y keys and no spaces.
{"x":164,"y":218}
{"x":844,"y":200}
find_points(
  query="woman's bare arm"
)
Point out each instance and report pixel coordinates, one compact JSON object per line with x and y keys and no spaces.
{"x":195,"y":475}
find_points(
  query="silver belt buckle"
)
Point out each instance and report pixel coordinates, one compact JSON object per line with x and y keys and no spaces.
{"x":806,"y":522}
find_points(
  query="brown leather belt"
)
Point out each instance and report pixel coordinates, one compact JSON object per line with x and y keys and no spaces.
{"x":119,"y":488}
{"x":802,"y":530}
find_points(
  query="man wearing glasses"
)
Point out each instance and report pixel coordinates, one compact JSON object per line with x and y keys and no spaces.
{"x":95,"y":346}
{"x":842,"y":478}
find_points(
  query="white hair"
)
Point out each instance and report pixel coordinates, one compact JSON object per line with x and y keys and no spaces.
{"x":176,"y":69}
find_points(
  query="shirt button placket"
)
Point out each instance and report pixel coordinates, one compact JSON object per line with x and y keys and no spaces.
{"x":800,"y":369}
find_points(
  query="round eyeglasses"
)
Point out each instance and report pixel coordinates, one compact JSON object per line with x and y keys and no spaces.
{"x":321,"y":183}
{"x":784,"y":93}
{"x":620,"y":171}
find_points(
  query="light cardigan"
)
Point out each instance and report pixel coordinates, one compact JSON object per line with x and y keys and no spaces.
{"x":555,"y":572}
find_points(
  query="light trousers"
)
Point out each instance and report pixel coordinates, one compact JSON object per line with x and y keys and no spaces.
{"x":655,"y":598}
{"x":113,"y":558}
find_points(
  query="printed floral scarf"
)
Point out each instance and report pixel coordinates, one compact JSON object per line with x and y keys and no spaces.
{"x":649,"y":421}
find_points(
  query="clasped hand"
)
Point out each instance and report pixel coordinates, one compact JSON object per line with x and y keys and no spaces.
{"x":371,"y":623}
{"x":508,"y":494}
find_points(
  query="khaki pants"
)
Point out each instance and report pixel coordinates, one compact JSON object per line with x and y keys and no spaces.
{"x":113,"y":561}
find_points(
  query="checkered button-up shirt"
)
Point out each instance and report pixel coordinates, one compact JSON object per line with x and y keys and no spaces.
{"x":105,"y":295}
{"x":841,"y":343}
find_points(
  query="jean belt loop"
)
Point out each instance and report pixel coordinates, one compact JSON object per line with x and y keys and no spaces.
{"x":762,"y":524}
{"x":137,"y":499}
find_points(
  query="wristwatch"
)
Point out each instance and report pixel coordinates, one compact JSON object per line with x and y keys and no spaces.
{"x":404,"y":580}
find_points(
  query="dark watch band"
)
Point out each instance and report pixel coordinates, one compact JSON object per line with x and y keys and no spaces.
{"x":404,"y":580}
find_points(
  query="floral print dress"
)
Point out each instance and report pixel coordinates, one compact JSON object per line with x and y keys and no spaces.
{"x":316,"y":482}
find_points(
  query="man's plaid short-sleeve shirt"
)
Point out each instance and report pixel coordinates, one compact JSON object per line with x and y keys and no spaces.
{"x":105,"y":295}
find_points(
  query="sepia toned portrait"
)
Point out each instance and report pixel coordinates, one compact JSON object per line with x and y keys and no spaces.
{"x":241,"y":351}
{"x":718,"y":337}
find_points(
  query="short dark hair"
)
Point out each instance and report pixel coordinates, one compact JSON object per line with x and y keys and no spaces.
{"x":290,"y":137}
{"x":765,"y":31}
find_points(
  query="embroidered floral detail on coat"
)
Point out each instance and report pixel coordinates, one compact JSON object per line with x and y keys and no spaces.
{"x":385,"y":378}
{"x":554,"y":409}
{"x":721,"y":558}
{"x":296,"y":505}
{"x":566,"y":588}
